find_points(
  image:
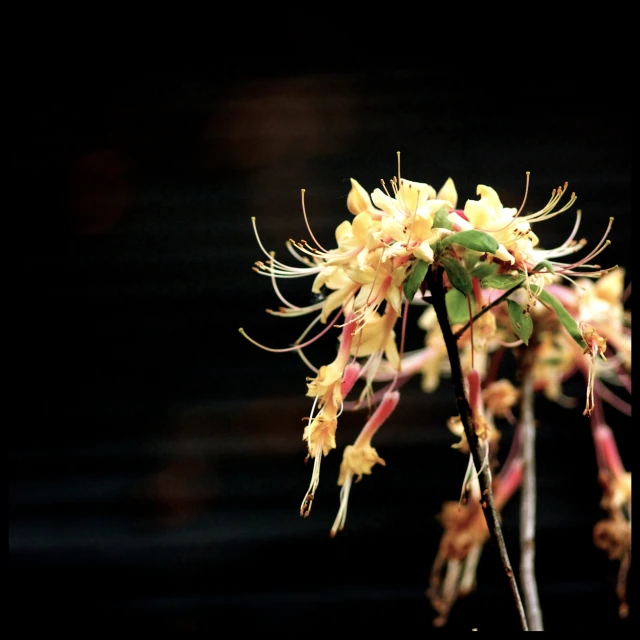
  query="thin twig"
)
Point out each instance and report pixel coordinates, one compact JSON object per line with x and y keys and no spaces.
{"x":486,"y":308}
{"x":528,"y":493}
{"x":434,"y":279}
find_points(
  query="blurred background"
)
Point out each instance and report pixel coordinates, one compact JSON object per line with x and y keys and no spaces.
{"x":157,"y":468}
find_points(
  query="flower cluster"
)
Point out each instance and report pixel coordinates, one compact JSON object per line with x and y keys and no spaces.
{"x":503,"y":291}
{"x":598,"y":311}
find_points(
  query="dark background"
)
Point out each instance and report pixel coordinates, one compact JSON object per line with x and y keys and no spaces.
{"x":156,"y":462}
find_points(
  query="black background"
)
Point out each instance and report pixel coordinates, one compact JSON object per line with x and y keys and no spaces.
{"x":156,"y":462}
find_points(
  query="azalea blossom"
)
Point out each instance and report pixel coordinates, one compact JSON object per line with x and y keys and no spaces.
{"x":502,"y":291}
{"x":360,"y":457}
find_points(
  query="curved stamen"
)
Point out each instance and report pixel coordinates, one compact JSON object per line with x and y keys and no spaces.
{"x":296,"y":312}
{"x":307,"y":501}
{"x":341,"y":518}
{"x":289,"y":244}
{"x":274,"y":284}
{"x":267,"y":253}
{"x":306,"y":360}
{"x":295,"y":346}
{"x":526,"y":193}
{"x":306,"y":220}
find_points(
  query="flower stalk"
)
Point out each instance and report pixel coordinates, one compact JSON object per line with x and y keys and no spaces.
{"x":528,"y":493}
{"x":436,"y":287}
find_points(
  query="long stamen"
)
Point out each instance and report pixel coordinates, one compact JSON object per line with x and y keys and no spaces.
{"x":274,"y":284}
{"x":307,"y":501}
{"x":547,"y":211}
{"x":341,"y":518}
{"x":306,"y":360}
{"x":296,"y":313}
{"x":375,"y":398}
{"x":526,"y":193}
{"x":599,"y":248}
{"x":282,"y":270}
{"x":306,"y":331}
{"x":295,"y":347}
{"x":306,"y":220}
{"x":289,"y":244}
{"x":269,"y":254}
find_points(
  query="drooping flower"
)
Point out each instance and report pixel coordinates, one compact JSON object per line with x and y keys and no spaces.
{"x":359,"y":458}
{"x":453,"y":573}
{"x":327,"y":390}
{"x":612,"y":534}
{"x":596,"y":346}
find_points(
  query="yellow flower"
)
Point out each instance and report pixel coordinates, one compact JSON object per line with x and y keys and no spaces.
{"x":408,"y":217}
{"x":377,"y":335}
{"x":379,"y":280}
{"x":326,"y":385}
{"x":499,"y":397}
{"x":599,"y":303}
{"x":359,"y":201}
{"x":359,"y":458}
{"x":488,"y":215}
{"x":448,"y":193}
{"x":320,"y":432}
{"x":359,"y":461}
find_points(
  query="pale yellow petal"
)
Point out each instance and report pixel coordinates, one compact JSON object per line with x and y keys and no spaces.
{"x":358,"y":199}
{"x":448,"y":192}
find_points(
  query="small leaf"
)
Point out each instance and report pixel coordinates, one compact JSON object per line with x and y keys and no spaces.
{"x":457,"y":307}
{"x":470,"y":259}
{"x":544,"y":264}
{"x":520,"y":321}
{"x":472,"y":239}
{"x":458,"y":275}
{"x":501,"y":281}
{"x":441,"y":220}
{"x":563,"y":315}
{"x":484,"y":269}
{"x":415,"y":278}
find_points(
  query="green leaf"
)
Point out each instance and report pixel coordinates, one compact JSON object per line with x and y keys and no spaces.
{"x":472,"y":239}
{"x":470,"y":259}
{"x":520,"y":321}
{"x":484,"y":269}
{"x":457,"y":306}
{"x":501,"y":281}
{"x":544,"y":264}
{"x":563,"y":315}
{"x":415,"y":278}
{"x":441,"y":220}
{"x":458,"y":275}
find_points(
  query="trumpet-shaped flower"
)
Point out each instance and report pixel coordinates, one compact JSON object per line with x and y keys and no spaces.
{"x":359,"y":458}
{"x":320,"y":432}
